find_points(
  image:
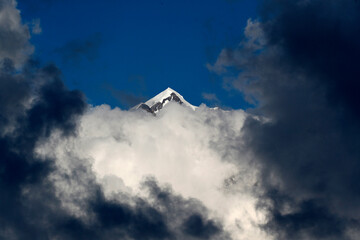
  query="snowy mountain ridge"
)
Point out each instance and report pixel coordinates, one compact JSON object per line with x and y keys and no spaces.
{"x":156,"y":103}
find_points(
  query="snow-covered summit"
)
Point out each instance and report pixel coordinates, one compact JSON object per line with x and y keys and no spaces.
{"x":156,"y":103}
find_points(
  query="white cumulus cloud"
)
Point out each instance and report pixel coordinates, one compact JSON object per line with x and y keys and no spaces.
{"x":198,"y":153}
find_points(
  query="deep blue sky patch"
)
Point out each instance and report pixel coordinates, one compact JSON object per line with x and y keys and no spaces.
{"x":139,"y":48}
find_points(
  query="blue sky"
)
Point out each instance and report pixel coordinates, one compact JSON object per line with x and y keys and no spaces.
{"x":121,"y":52}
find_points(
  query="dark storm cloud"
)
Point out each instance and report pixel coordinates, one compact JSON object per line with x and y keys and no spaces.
{"x":189,"y":216}
{"x":36,"y":104}
{"x":75,"y":51}
{"x":197,"y":227}
{"x":54,"y":107}
{"x":306,"y":81}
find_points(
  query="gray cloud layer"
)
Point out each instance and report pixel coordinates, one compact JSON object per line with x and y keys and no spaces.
{"x":305,"y":80}
{"x":14,"y":36}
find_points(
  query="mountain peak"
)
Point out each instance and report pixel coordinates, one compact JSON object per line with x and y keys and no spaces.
{"x":156,"y":103}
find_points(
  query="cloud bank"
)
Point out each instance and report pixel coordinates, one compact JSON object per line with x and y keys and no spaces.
{"x":72,"y":171}
{"x":194,"y":153}
{"x":299,"y":64}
